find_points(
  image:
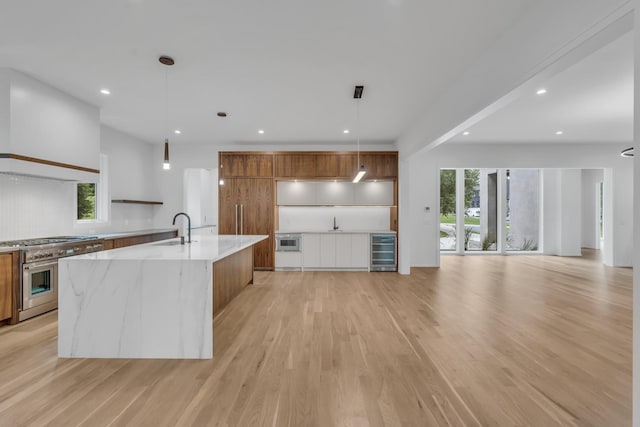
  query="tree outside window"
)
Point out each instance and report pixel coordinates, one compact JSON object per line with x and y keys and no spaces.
{"x":86,"y":201}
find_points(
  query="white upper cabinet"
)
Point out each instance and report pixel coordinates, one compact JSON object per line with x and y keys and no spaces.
{"x":374,"y":193}
{"x":335,"y":193}
{"x":296,"y":193}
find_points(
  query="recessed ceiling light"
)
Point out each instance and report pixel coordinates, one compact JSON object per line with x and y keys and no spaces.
{"x":105,"y":91}
{"x":541,"y":91}
{"x":465,"y":133}
{"x":260,"y":131}
{"x":222,"y":114}
{"x":177,"y":131}
{"x":559,"y":132}
{"x":345,"y":131}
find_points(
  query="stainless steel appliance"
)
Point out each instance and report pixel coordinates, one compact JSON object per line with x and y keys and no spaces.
{"x":39,"y":265}
{"x":289,"y":242}
{"x":383,"y":252}
{"x":288,"y":251}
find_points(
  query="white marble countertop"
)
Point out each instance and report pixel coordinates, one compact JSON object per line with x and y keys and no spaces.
{"x":119,"y":234}
{"x":8,"y":249}
{"x":340,"y":231}
{"x":202,"y":248}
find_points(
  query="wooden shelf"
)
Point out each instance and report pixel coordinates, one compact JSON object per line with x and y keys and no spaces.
{"x":138,"y":202}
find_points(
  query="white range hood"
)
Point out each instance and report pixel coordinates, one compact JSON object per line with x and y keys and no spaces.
{"x":45,"y":132}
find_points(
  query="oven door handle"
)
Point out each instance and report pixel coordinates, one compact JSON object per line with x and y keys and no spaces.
{"x":39,"y":264}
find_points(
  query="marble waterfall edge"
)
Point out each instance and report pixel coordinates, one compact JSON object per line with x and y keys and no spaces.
{"x":105,"y":306}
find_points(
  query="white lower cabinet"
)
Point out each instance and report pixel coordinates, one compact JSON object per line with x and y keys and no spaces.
{"x":310,"y":250}
{"x":335,"y":251}
{"x":360,"y":250}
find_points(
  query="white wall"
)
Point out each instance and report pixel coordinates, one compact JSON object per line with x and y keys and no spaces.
{"x":423,"y":235}
{"x":34,"y":207}
{"x":37,"y":207}
{"x":591,"y":179}
{"x":561,"y":212}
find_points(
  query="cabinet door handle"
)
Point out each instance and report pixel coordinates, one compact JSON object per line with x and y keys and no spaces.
{"x":236,"y":218}
{"x":241,"y":219}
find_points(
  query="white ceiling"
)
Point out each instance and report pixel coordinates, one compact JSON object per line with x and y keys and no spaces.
{"x":285,"y":66}
{"x":591,"y":101}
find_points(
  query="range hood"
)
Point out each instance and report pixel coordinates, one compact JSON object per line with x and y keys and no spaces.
{"x":46,"y":133}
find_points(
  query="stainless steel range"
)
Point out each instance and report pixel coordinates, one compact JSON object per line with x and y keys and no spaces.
{"x":39,"y":264}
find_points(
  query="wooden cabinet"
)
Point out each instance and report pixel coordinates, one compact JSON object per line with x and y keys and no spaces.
{"x":122,"y":242}
{"x":246,"y":207}
{"x":379,"y":165}
{"x":246,"y":165}
{"x":382,"y":165}
{"x":292,"y":165}
{"x":9,"y":282}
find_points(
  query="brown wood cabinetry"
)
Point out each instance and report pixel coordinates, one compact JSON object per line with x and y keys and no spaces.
{"x":246,"y":165}
{"x":380,"y":166}
{"x":246,"y":207}
{"x":230,"y":276}
{"x":246,"y":200}
{"x":301,"y":165}
{"x":122,"y":242}
{"x":9,"y":286}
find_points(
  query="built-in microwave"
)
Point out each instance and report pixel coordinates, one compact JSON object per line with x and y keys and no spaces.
{"x":289,"y":242}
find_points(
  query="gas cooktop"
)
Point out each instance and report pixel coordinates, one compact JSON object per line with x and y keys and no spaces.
{"x":45,"y":241}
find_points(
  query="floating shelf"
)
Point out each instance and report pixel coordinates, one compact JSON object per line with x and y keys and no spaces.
{"x":138,"y":202}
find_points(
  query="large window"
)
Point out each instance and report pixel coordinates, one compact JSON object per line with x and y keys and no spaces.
{"x":497,"y":210}
{"x":448,"y":210}
{"x":92,"y":198}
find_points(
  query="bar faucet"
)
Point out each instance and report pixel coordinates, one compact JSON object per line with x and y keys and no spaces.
{"x":188,"y":223}
{"x":335,"y":226}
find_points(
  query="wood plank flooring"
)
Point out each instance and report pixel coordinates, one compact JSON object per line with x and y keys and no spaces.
{"x":482,"y":341}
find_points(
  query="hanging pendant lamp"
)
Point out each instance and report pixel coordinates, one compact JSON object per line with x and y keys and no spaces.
{"x":168,"y":61}
{"x":357,"y":94}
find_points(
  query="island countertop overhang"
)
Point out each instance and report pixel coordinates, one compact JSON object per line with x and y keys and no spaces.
{"x":202,"y":248}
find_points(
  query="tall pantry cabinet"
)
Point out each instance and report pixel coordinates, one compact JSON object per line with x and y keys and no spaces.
{"x":246,"y":201}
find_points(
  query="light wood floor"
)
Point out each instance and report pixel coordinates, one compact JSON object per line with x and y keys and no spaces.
{"x":484,"y":340}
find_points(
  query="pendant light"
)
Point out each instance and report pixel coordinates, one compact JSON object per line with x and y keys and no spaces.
{"x":357,"y":94}
{"x":168,"y":61}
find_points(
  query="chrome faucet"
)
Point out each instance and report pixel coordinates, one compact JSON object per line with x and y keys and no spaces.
{"x":188,"y":223}
{"x":335,"y":226}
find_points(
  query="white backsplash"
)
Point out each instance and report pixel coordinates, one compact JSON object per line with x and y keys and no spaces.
{"x":35,"y":207}
{"x":321,"y":218}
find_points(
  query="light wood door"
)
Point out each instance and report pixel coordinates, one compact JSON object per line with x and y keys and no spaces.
{"x":6,"y":283}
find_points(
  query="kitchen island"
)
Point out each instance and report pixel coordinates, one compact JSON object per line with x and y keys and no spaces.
{"x":155,"y":300}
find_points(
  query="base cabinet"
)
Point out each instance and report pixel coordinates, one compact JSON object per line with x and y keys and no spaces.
{"x":335,"y":251}
{"x":9,"y":287}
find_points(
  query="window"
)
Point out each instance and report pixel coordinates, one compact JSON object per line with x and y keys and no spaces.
{"x":87,"y":209}
{"x":92,"y":198}
{"x":498,"y":210}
